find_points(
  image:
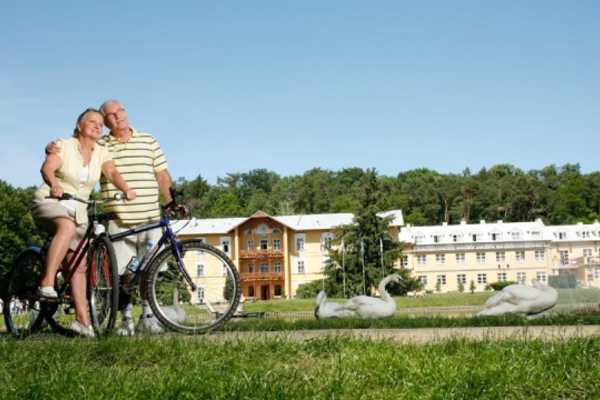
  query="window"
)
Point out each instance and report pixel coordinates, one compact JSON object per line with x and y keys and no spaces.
{"x":250,"y":291}
{"x":200,"y":295}
{"x":474,"y":237}
{"x":562,"y":235}
{"x":564,"y":257}
{"x":301,"y":267}
{"x":539,"y":255}
{"x":276,"y":244}
{"x":200,"y":270}
{"x":419,"y":239}
{"x":597,"y":272}
{"x":276,"y":231}
{"x":264,"y":244}
{"x":587,"y":254}
{"x":481,"y":258}
{"x":403,"y":261}
{"x":277,"y":290}
{"x":481,"y":278}
{"x":421,"y":259}
{"x":535,"y":234}
{"x":585,"y":234}
{"x":250,"y":268}
{"x":277,"y":266}
{"x":299,"y":243}
{"x":500,"y":256}
{"x":515,"y":235}
{"x":250,"y":244}
{"x":440,"y":258}
{"x":521,"y":277}
{"x":436,"y":238}
{"x":441,"y":279}
{"x":455,"y":238}
{"x":326,"y":239}
{"x":461,"y":278}
{"x":496,"y":236}
{"x":520,"y":256}
{"x":501,"y":276}
{"x":460,"y":258}
{"x":225,"y":245}
{"x":422,"y":279}
{"x":541,"y":276}
{"x":264,"y":268}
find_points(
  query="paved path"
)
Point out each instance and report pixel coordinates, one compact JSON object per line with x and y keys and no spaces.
{"x":427,"y":335}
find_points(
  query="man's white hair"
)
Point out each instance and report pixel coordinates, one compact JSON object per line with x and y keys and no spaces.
{"x":107,"y":102}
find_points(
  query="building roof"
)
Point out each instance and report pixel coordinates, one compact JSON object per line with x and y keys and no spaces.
{"x":484,"y":232}
{"x":301,"y":222}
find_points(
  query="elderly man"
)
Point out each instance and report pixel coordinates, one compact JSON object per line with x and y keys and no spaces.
{"x":140,"y":160}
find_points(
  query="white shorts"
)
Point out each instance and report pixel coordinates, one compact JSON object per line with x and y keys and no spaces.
{"x":132,"y":246}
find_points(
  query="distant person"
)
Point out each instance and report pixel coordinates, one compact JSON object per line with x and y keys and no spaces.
{"x":74,"y":169}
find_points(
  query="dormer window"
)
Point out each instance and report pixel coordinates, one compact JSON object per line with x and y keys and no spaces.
{"x":562,"y":235}
{"x":515,"y":235}
{"x":436,"y":238}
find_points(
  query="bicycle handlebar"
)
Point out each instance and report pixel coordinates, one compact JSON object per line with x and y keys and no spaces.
{"x":67,"y":196}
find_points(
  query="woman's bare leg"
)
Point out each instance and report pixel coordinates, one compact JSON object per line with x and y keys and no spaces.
{"x":78,"y":290}
{"x":65,"y":230}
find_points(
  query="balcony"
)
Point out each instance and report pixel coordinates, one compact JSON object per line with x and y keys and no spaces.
{"x":261,"y":276}
{"x":260,"y":254}
{"x":586,"y":261}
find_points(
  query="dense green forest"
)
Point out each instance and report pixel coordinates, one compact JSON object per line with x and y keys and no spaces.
{"x":558,"y":195}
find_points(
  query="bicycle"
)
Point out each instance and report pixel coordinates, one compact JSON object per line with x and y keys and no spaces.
{"x":24,"y":311}
{"x":182,"y":303}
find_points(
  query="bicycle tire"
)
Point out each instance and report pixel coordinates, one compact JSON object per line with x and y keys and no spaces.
{"x":230,"y":276}
{"x":21,"y":288}
{"x":102,"y":285}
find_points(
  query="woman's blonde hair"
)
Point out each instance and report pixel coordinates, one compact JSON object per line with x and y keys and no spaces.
{"x":81,"y":117}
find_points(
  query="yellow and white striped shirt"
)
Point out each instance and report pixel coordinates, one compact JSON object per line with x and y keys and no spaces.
{"x":137,"y":160}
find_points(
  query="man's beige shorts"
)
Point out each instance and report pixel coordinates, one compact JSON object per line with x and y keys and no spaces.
{"x":132,"y":246}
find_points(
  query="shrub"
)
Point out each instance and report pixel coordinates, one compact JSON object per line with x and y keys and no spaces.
{"x":563,"y":281}
{"x":309,"y":290}
{"x":472,"y":287}
{"x":461,"y":287}
{"x":497,"y":286}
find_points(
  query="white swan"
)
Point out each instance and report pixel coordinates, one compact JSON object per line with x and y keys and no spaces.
{"x":372,"y":307}
{"x":328,"y":309}
{"x":521,"y":299}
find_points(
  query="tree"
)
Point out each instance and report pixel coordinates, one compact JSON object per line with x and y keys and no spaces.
{"x":17,"y":228}
{"x":359,"y":244}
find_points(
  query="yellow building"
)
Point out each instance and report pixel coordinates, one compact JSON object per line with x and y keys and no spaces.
{"x":274,"y":254}
{"x":490,"y":252}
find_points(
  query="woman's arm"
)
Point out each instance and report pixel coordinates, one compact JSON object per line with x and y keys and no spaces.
{"x":48,"y":170}
{"x":110,"y":172}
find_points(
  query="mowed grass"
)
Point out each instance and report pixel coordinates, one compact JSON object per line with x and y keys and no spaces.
{"x":327,"y":368}
{"x":451,"y":299}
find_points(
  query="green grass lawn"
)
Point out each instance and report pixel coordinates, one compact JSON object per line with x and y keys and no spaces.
{"x":327,"y":368}
{"x":566,"y":296}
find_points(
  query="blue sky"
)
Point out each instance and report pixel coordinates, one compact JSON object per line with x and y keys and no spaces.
{"x":288,"y":86}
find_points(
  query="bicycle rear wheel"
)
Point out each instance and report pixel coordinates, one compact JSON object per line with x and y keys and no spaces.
{"x":21,"y":305}
{"x":182,"y":309}
{"x":103,"y":285}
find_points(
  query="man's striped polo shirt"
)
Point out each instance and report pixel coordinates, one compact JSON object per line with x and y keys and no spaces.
{"x":137,"y":160}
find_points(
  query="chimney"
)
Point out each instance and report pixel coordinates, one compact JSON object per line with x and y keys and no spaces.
{"x":482,"y":222}
{"x":499,"y":221}
{"x":444,"y":223}
{"x":463,"y":221}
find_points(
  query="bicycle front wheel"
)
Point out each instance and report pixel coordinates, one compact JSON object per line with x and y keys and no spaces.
{"x":20,"y":304}
{"x":103,"y":285}
{"x":182,"y":309}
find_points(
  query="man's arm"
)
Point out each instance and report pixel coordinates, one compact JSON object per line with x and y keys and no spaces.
{"x":164,"y":184}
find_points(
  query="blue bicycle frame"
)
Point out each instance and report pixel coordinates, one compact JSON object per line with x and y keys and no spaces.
{"x":167,"y":236}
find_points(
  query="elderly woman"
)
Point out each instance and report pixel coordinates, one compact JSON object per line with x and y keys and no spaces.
{"x":75,"y":169}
